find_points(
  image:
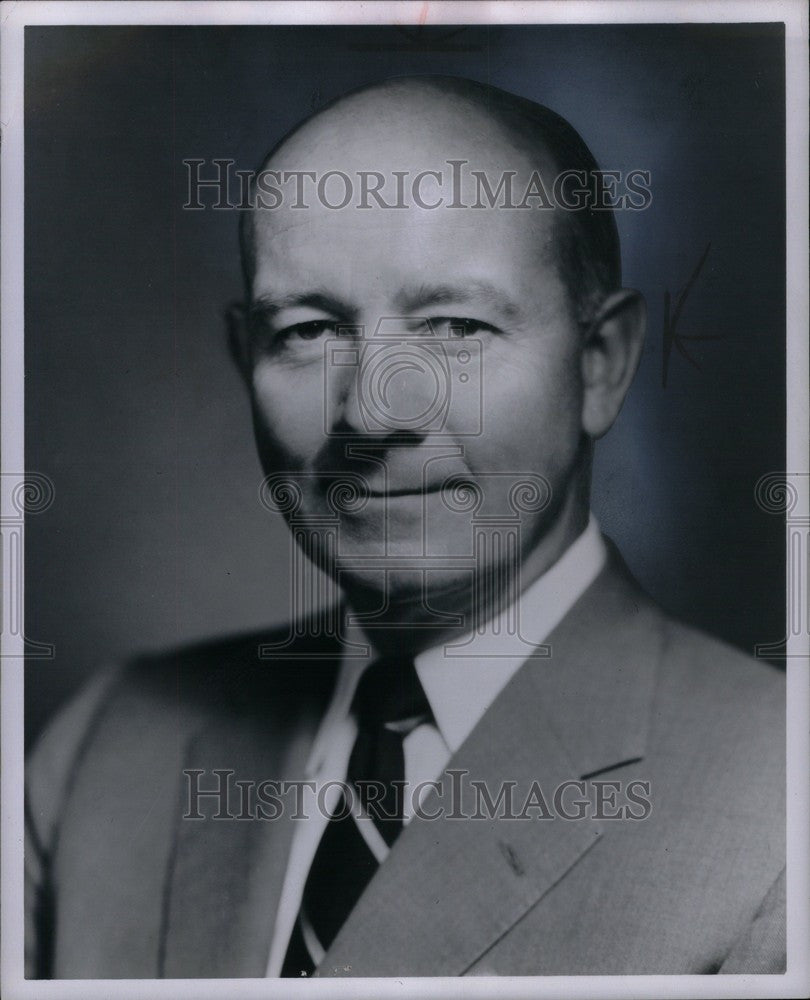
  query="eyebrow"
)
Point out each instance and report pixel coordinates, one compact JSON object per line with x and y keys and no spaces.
{"x":408,"y":301}
{"x":474,"y":290}
{"x":270,"y":305}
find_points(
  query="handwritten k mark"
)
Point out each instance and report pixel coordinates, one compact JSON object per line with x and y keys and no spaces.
{"x":671,"y":317}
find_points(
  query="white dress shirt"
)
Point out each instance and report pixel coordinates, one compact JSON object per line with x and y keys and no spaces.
{"x":459,"y":689}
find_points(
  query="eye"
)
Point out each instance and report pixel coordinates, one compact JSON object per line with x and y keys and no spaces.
{"x":311,"y":330}
{"x":460,"y":326}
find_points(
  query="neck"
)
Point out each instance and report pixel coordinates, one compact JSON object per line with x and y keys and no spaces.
{"x":413,"y":619}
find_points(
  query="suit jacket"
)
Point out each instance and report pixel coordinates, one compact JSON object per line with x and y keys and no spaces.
{"x":120,"y":885}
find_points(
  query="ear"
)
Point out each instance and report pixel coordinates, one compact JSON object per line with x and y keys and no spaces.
{"x":239,"y":338}
{"x":610,"y":357}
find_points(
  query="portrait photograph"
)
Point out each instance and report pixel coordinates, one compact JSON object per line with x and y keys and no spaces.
{"x":405,"y":499}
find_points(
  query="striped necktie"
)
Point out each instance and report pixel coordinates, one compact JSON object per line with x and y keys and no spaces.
{"x":388,"y":704}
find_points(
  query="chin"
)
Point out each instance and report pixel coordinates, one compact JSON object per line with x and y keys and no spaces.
{"x":420,"y":595}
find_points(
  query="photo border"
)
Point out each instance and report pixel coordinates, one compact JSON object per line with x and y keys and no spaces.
{"x":14,"y":17}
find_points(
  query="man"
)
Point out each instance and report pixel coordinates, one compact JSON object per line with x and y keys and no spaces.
{"x":517,"y":763}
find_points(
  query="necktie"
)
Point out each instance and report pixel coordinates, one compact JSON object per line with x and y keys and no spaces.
{"x":388,"y":704}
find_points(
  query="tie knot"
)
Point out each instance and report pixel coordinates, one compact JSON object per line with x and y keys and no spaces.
{"x":389,"y":691}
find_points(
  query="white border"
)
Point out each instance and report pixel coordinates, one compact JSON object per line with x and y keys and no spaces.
{"x":13,"y":18}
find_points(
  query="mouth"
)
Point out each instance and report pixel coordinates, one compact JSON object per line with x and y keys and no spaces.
{"x":404,"y":491}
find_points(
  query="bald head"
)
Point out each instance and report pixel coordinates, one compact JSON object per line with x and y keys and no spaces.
{"x":412,"y":125}
{"x":390,"y":335}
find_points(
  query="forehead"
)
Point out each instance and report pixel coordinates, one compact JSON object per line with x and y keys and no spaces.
{"x":417,"y":150}
{"x":375,"y":252}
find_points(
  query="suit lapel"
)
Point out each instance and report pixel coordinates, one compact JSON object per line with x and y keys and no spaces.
{"x":599,"y":686}
{"x":452,"y":887}
{"x":226,"y":875}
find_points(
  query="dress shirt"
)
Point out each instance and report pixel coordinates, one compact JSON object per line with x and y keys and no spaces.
{"x":460,"y":686}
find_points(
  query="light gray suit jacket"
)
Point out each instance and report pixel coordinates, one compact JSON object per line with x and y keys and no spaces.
{"x":120,"y":885}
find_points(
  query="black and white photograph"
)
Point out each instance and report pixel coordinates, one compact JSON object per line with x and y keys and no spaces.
{"x":405,"y":499}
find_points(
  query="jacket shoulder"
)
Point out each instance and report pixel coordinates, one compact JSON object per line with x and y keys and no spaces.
{"x":184,"y":687}
{"x":721,"y":715}
{"x":697,"y":665}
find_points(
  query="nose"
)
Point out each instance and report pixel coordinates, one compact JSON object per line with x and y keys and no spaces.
{"x":399,"y":388}
{"x":342,"y":376}
{"x":389,"y":386}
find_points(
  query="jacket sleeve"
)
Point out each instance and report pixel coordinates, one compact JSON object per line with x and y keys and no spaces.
{"x":761,"y":950}
{"x":49,"y":771}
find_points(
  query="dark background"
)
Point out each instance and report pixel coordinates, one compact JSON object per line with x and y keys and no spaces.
{"x":156,"y":535}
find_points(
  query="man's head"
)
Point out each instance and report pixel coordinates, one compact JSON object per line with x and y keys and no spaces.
{"x":426,"y":352}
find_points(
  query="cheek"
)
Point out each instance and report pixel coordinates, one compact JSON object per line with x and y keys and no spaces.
{"x":287,"y":415}
{"x":532,"y":416}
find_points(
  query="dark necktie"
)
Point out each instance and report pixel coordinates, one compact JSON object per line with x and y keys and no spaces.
{"x":388,"y":704}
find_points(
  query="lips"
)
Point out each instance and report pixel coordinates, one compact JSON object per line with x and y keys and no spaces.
{"x":405,"y":491}
{"x":399,"y":474}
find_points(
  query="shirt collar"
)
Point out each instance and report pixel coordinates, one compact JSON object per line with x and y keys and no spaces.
{"x":460,"y":688}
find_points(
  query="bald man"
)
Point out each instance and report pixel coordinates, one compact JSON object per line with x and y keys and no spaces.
{"x":488,"y":752}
